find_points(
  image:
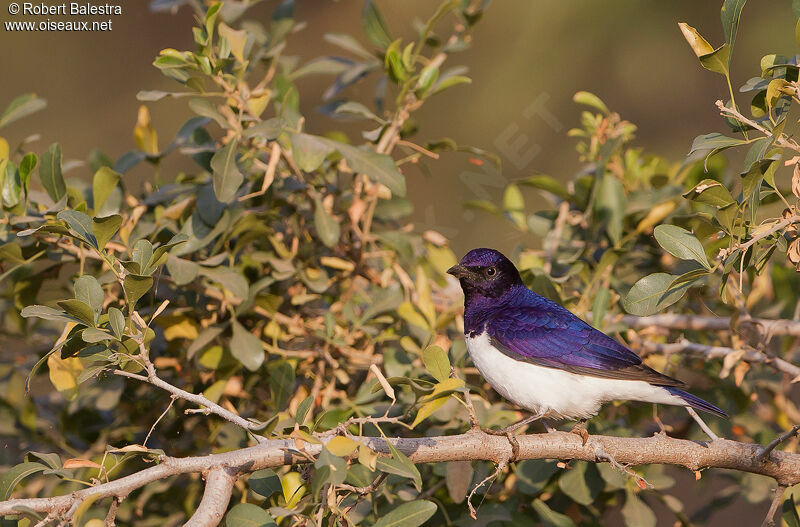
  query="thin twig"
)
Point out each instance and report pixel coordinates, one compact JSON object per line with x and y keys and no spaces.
{"x":372,"y":487}
{"x":764,"y":453}
{"x":769,"y":520}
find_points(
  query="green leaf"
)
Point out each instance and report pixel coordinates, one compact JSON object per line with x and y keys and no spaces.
{"x":327,"y":226}
{"x":378,"y":167}
{"x":264,"y":482}
{"x":12,"y":183}
{"x":20,"y":107}
{"x":79,"y":310}
{"x":715,"y":142}
{"x":611,"y":205}
{"x":80,"y":224}
{"x":789,"y":512}
{"x":549,"y":517}
{"x":50,"y":173}
{"x":411,"y":514}
{"x":636,"y":513}
{"x":15,"y":474}
{"x":246,"y":347}
{"x":104,"y":182}
{"x":182,"y":271}
{"x":681,"y":243}
{"x":581,"y":482}
{"x":653,"y":293}
{"x":160,"y":254}
{"x":136,"y":286}
{"x":26,"y":167}
{"x":374,"y":26}
{"x":400,"y":465}
{"x":436,"y":362}
{"x":227,"y":177}
{"x":710,"y":192}
{"x":730,"y":14}
{"x":117,"y":321}
{"x":309,"y":151}
{"x":329,"y":469}
{"x":105,"y":228}
{"x":281,"y":382}
{"x":248,"y":515}
{"x":546,"y":183}
{"x":590,"y":99}
{"x":48,"y":313}
{"x":230,"y":279}
{"x":141,"y":254}
{"x":88,"y":291}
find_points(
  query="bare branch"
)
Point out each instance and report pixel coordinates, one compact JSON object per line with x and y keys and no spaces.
{"x":199,"y":400}
{"x":778,"y":327}
{"x":219,"y":487}
{"x":372,"y":487}
{"x":784,"y":467}
{"x":712,"y":352}
{"x":769,"y":520}
{"x":764,"y":453}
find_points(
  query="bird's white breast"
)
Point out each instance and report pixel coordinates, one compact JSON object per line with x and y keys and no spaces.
{"x":557,"y":393}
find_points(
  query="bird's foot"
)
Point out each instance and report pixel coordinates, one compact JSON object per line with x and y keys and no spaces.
{"x":580,"y":430}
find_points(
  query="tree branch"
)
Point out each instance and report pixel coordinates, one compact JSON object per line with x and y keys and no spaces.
{"x":713,"y":352}
{"x":784,"y":467}
{"x":778,"y":327}
{"x":219,"y":487}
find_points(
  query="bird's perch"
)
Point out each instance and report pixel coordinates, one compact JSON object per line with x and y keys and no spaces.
{"x":221,"y":470}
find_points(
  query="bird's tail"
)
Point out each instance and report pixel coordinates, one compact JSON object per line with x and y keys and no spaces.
{"x":696,"y":402}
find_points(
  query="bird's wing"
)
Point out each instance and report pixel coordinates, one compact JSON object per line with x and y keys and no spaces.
{"x":553,"y":337}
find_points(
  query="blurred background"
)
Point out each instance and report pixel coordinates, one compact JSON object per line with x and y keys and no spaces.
{"x":528,"y":60}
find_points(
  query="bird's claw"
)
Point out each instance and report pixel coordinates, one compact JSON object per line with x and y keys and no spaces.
{"x":580,"y":430}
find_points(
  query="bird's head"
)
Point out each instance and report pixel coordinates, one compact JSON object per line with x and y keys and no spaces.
{"x":486,"y":272}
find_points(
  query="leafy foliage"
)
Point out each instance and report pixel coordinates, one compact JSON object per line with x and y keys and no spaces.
{"x":281,"y":279}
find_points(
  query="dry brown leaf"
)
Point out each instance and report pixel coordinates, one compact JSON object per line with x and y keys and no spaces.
{"x":80,"y":463}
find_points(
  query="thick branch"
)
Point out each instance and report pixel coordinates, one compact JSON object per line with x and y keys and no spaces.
{"x":219,"y":487}
{"x":784,"y":467}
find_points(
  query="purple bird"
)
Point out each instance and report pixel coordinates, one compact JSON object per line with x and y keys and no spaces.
{"x":546,"y":360}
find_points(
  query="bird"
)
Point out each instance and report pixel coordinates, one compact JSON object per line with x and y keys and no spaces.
{"x":543,"y":358}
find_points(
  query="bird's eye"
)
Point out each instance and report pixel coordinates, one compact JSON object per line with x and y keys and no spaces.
{"x":491,"y":271}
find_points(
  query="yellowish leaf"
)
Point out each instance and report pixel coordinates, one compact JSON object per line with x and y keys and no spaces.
{"x":367,"y":457}
{"x":383,"y":382}
{"x":257,"y":105}
{"x":144,"y":133}
{"x":3,"y":149}
{"x":699,"y":45}
{"x":342,"y":446}
{"x":427,"y":409}
{"x":183,"y":328}
{"x":64,"y":374}
{"x":293,"y":488}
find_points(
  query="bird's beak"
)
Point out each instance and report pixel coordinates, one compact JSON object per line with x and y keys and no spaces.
{"x":459,"y":271}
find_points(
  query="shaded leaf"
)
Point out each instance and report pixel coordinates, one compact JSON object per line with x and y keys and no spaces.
{"x":20,"y":107}
{"x":246,"y":347}
{"x":15,"y":474}
{"x":227,"y":178}
{"x":50,"y":173}
{"x":681,"y":243}
{"x":411,"y":514}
